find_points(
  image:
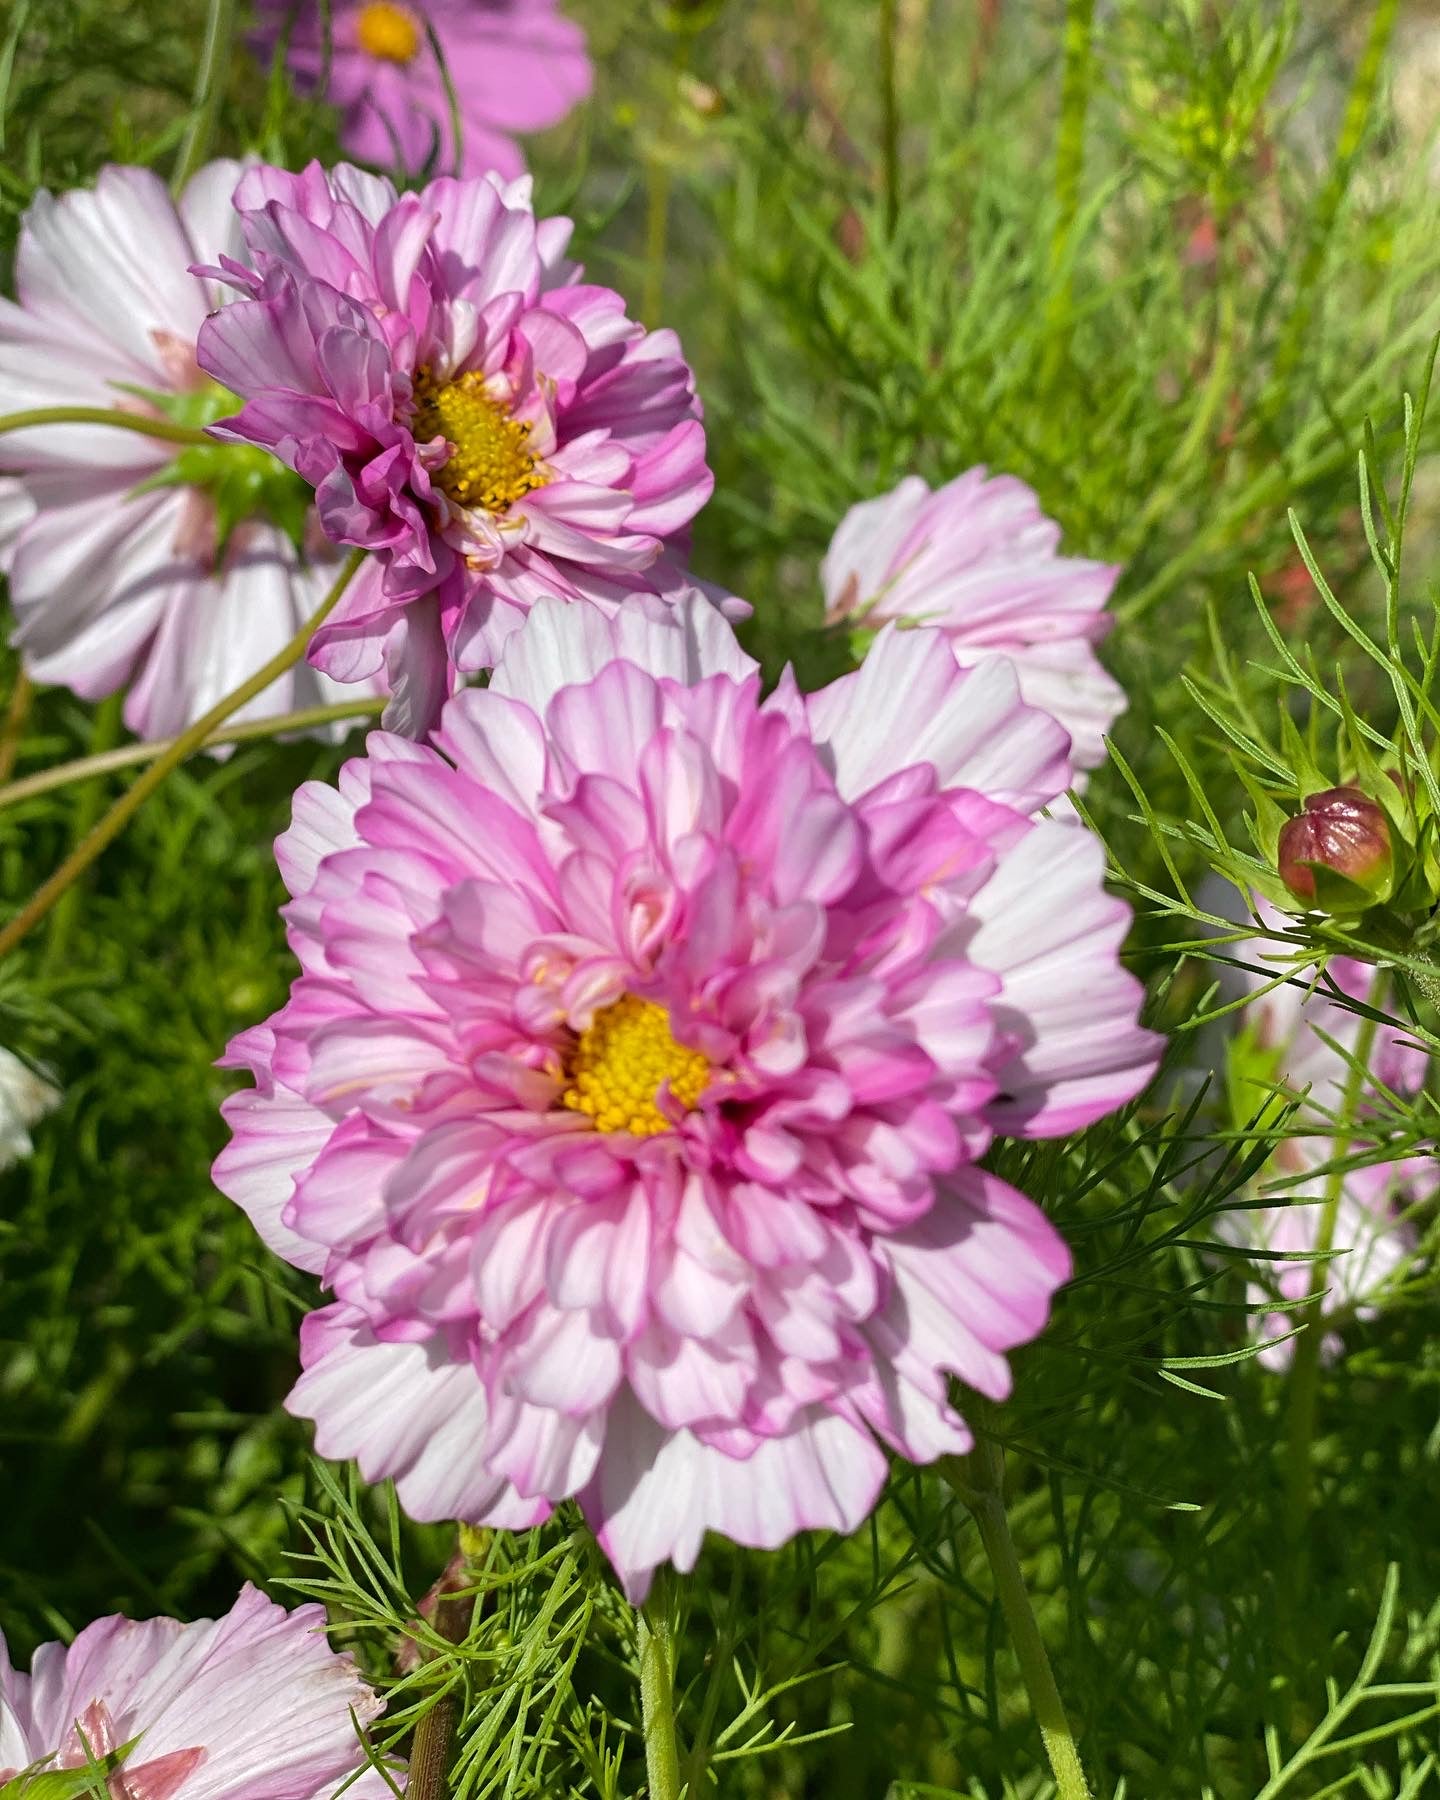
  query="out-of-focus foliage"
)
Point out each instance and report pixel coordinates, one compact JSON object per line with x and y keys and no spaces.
{"x":1162,"y":263}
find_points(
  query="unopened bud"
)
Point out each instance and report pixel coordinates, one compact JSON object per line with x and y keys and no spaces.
{"x":1341,"y":829}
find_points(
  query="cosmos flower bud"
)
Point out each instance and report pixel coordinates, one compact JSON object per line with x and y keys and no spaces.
{"x":1341,"y":829}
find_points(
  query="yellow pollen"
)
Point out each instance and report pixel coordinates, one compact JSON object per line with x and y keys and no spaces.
{"x":392,"y":33}
{"x":622,"y":1061}
{"x":489,"y":465}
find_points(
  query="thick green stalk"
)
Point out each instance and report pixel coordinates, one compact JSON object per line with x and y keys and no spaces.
{"x":657,"y":1699}
{"x":120,"y":814}
{"x":979,"y":1480}
{"x":104,"y":415}
{"x":130,"y":756}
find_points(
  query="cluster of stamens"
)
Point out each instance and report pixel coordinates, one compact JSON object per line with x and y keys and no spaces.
{"x":490,"y":466}
{"x":621,"y":1062}
{"x":391,"y":33}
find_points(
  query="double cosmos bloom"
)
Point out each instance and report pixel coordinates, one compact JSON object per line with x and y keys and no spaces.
{"x":630,"y":1098}
{"x":490,"y":427}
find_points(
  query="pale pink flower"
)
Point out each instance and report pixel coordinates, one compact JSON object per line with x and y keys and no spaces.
{"x":492,"y":429}
{"x":516,"y":65}
{"x":630,"y":1097}
{"x":1307,"y":1036}
{"x":254,"y":1706}
{"x":116,"y":577}
{"x":977,"y":559}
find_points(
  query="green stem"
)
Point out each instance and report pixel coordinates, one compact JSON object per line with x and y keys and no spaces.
{"x":209,"y":90}
{"x":130,"y":802}
{"x":1070,"y":138}
{"x":15,"y":714}
{"x":657,"y":228}
{"x":430,"y":1750}
{"x":1359,"y":109}
{"x":979,"y":1480}
{"x":1304,"y":1386}
{"x":1069,"y":166}
{"x":656,"y":1645}
{"x":130,"y":756}
{"x":658,"y":181}
{"x":85,"y":805}
{"x":889,"y":117}
{"x":104,"y":415}
{"x":452,"y":1614}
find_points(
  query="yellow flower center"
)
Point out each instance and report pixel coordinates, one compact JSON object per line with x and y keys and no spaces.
{"x":489,"y":463}
{"x":392,"y":33}
{"x":623,"y":1060}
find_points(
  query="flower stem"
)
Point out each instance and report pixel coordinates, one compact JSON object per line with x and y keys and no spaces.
{"x":450,"y":1607}
{"x":209,"y":90}
{"x":15,"y":712}
{"x":130,"y":756}
{"x":889,"y":117}
{"x":979,"y":1480}
{"x":167,"y":429}
{"x":656,"y":1644}
{"x":107,"y":829}
{"x":1305,"y":1372}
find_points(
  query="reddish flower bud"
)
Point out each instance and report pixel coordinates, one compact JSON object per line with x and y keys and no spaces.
{"x":1341,"y":829}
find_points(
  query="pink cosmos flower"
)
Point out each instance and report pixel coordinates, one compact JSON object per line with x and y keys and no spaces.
{"x":254,"y":1706}
{"x":976,"y":558}
{"x":117,"y":573}
{"x":1374,"y":1235}
{"x":489,"y":427}
{"x":630,"y":1094}
{"x":516,"y":65}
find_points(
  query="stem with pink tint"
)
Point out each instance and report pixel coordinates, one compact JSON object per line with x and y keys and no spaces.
{"x":979,"y":1480}
{"x":114,"y":822}
{"x":166,"y":429}
{"x":655,"y":1642}
{"x":129,"y":756}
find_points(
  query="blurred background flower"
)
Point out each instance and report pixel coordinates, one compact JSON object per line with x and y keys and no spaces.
{"x":513,"y":66}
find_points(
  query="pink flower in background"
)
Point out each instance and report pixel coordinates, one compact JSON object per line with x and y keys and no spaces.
{"x":516,"y":65}
{"x":1372,"y":1238}
{"x":492,"y":429}
{"x":254,"y":1706}
{"x":116,"y":573}
{"x":976,"y":558}
{"x":630,"y":1096}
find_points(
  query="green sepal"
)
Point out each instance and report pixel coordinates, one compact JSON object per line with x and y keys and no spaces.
{"x":197,"y":406}
{"x":243,"y":482}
